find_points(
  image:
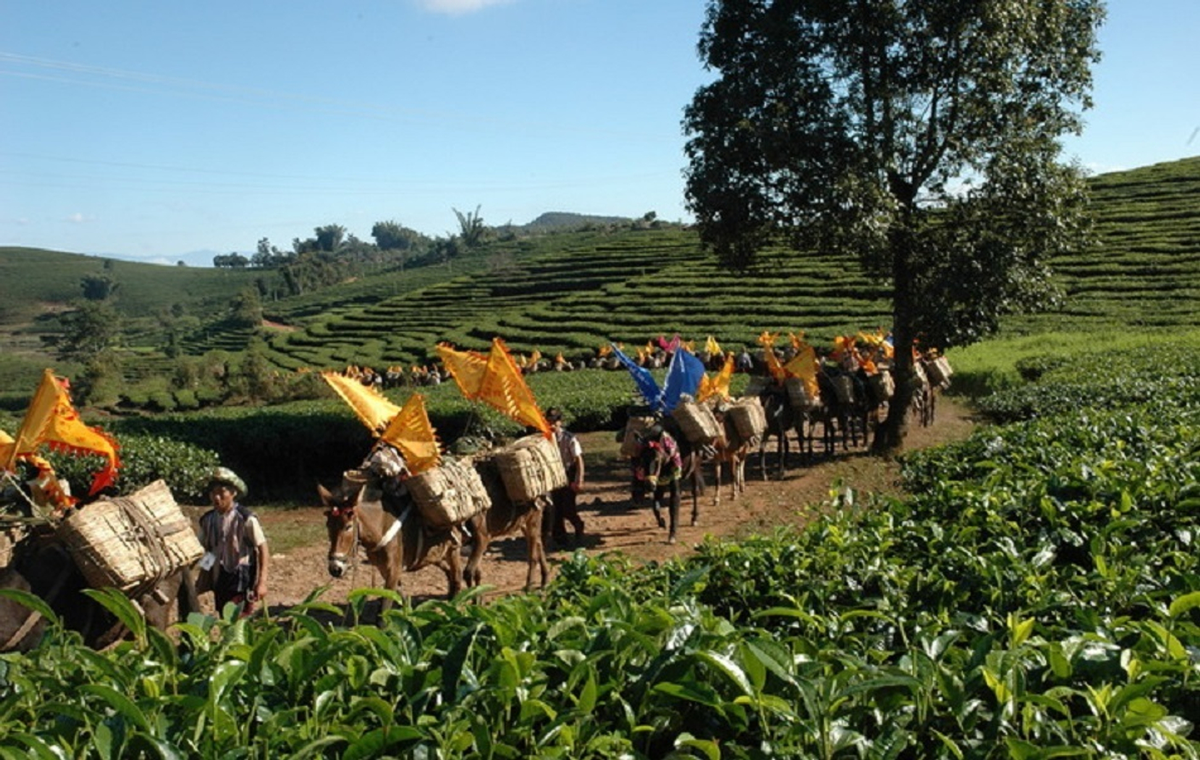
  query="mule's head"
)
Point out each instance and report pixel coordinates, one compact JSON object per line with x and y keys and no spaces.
{"x":341,"y":525}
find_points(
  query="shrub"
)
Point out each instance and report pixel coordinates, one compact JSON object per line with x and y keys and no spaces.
{"x":161,"y":401}
{"x":144,"y":459}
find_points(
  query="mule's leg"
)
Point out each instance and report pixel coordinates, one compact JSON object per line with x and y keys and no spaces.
{"x":454,"y":571}
{"x":535,"y":547}
{"x":717,"y":490}
{"x":673,"y":508}
{"x":480,"y":538}
{"x":762,"y":455}
{"x":392,"y":570}
{"x":540,"y":548}
{"x":784,"y":445}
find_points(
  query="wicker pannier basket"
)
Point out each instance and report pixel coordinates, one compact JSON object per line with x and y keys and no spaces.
{"x":843,"y":386}
{"x":130,"y":541}
{"x":629,"y":443}
{"x":697,"y":422}
{"x":748,"y":417}
{"x":882,"y":385}
{"x":450,"y":493}
{"x":798,"y":395}
{"x":530,"y":467}
{"x":939,"y":372}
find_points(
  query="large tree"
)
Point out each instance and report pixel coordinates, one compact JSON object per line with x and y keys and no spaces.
{"x":920,"y":134}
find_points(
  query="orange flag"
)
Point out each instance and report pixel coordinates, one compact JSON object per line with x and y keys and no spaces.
{"x":842,"y":346}
{"x":504,"y":388}
{"x":804,"y":366}
{"x":718,"y":384}
{"x":773,"y":366}
{"x":411,"y":432}
{"x":7,"y":448}
{"x":466,"y":367}
{"x":371,"y":407}
{"x":497,"y":381}
{"x":52,"y":419}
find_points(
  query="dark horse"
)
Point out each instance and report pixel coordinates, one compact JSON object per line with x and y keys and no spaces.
{"x":42,"y":566}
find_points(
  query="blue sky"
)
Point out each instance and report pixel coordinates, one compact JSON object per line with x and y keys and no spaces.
{"x":163,"y":131}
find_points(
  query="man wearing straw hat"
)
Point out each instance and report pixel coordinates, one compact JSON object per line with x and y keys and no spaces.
{"x":236,"y":558}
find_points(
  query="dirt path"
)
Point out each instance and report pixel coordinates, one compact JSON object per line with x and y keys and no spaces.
{"x":613,"y":524}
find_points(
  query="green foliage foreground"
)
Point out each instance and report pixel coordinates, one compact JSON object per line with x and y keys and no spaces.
{"x":1037,"y":596}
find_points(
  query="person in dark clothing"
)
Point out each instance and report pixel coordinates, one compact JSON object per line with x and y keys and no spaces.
{"x":236,"y":557}
{"x":659,"y":467}
{"x":566,"y":508}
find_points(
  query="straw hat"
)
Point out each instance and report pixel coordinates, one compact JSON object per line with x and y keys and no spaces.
{"x":227,"y":477}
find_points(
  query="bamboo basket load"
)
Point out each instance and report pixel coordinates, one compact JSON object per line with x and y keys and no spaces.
{"x":697,"y":422}
{"x":450,"y":493}
{"x":939,"y":371}
{"x":530,"y":467}
{"x":798,"y":394}
{"x":10,"y":535}
{"x":843,"y":386}
{"x":882,"y":385}
{"x":130,"y":541}
{"x":922,"y":375}
{"x":748,"y":417}
{"x":629,"y":443}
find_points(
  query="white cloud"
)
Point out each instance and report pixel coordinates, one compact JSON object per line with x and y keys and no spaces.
{"x":77,"y":218}
{"x":457,"y":7}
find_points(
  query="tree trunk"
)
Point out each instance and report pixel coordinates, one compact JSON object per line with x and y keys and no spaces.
{"x":890,"y":435}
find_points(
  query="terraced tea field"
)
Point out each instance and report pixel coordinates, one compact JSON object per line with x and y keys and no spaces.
{"x":627,"y":288}
{"x":575,"y":292}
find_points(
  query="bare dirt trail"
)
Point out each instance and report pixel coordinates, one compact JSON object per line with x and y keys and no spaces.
{"x":614,"y":524}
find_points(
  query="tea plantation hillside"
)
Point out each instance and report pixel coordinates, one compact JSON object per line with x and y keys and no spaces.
{"x":1146,"y":270}
{"x":574,"y":292}
{"x":588,"y":290}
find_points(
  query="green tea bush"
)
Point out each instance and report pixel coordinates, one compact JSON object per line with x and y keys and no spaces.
{"x":186,"y":400}
{"x":162,"y":401}
{"x":144,"y":459}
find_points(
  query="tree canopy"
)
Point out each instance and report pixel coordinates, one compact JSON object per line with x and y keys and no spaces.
{"x":922,"y":135}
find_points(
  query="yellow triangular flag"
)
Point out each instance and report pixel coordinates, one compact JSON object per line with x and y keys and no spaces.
{"x":804,"y":366}
{"x":773,"y":366}
{"x":52,"y":419}
{"x":372,"y":408}
{"x":8,"y":447}
{"x":466,"y":367}
{"x":504,"y":388}
{"x":411,"y":432}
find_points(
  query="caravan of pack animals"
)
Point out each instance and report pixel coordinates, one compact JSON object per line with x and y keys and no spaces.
{"x":410,"y":505}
